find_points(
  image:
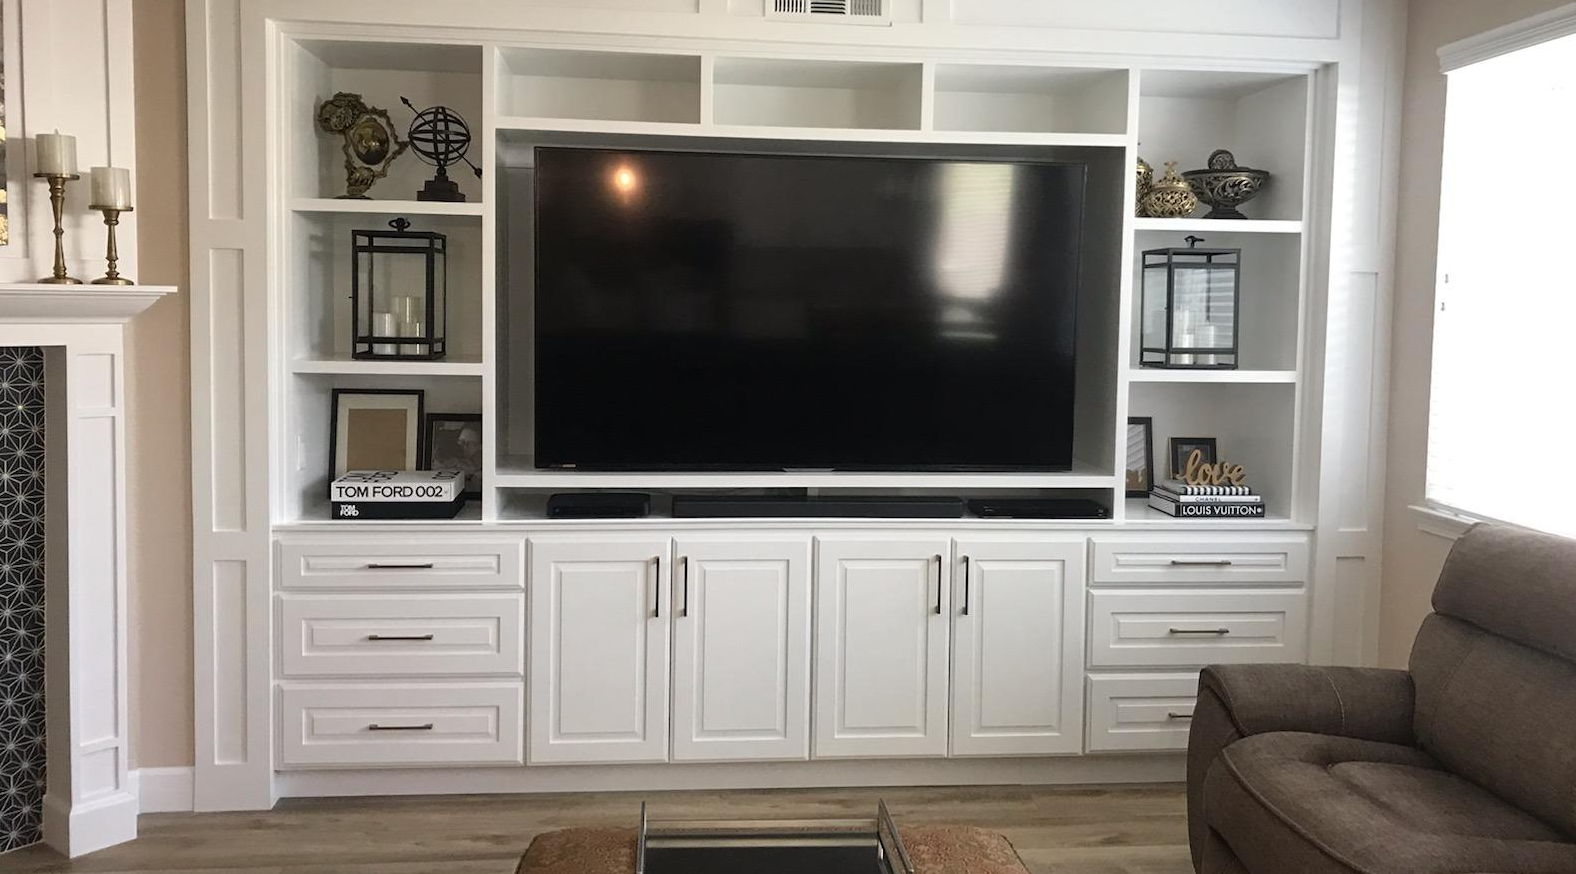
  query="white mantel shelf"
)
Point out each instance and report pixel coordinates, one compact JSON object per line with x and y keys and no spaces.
{"x":41,"y":303}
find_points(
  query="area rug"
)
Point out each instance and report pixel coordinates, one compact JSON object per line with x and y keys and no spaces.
{"x":935,"y":849}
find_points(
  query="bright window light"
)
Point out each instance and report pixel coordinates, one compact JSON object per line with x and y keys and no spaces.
{"x":1503,"y":406}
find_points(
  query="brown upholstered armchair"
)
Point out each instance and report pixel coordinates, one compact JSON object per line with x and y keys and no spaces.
{"x":1464,"y":764}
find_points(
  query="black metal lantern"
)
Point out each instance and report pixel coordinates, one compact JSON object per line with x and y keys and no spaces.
{"x":1190,"y":305}
{"x":399,"y":293}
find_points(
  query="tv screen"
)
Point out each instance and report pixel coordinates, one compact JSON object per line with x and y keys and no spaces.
{"x":701,"y":311}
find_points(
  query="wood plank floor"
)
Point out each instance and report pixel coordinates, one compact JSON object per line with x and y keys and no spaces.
{"x":1072,"y":830}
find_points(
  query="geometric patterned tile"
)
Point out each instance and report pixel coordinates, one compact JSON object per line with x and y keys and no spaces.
{"x":21,"y":596}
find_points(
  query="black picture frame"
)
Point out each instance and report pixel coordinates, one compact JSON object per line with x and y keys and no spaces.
{"x":1182,"y":447}
{"x":336,"y":461}
{"x":1144,"y":453}
{"x":430,"y":442}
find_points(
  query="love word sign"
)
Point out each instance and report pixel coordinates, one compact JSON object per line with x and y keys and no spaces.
{"x":1223,"y":473}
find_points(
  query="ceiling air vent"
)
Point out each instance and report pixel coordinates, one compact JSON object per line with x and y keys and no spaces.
{"x":830,"y":11}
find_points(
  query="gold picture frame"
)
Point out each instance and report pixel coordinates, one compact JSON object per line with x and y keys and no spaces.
{"x":371,"y":142}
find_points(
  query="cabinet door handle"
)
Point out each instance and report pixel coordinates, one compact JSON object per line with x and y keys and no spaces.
{"x":965,"y":585}
{"x":684,"y":562}
{"x":657,"y":613}
{"x":1218,"y":632}
{"x":1179,"y":716}
{"x":1218,"y":562}
{"x":399,"y":637}
{"x":418,"y":566}
{"x":938,"y":584}
{"x":427,"y":726}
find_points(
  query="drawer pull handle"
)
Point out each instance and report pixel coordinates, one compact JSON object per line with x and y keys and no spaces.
{"x":399,"y":637}
{"x":1179,"y":716}
{"x":1210,"y":631}
{"x":421,"y":566}
{"x":426,"y":726}
{"x":1223,"y":562}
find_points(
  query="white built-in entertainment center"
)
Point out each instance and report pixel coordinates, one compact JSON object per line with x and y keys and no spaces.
{"x":506,"y":651}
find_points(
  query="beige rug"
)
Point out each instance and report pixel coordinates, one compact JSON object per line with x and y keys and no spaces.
{"x":940,"y":849}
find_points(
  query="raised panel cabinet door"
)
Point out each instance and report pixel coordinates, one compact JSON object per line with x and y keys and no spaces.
{"x":1017,"y":647}
{"x":598,"y":670}
{"x":881,"y":646}
{"x":741,"y":649}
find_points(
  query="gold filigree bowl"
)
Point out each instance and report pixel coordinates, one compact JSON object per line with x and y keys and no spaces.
{"x":1226,"y":186}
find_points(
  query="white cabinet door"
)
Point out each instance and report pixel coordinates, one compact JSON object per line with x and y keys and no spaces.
{"x":881,"y":646}
{"x":1017,"y":660}
{"x":599,"y":628}
{"x":741,"y":649}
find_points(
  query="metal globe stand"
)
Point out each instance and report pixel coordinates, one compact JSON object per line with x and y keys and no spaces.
{"x":440,"y":137}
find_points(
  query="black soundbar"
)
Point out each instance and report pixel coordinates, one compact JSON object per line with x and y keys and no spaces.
{"x":841,"y":507}
{"x":1038,"y":508}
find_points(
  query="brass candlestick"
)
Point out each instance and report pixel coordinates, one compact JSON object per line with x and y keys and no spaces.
{"x":57,"y":200}
{"x":111,"y":219}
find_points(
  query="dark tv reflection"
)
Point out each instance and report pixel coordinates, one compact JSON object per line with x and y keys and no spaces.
{"x":733,"y":311}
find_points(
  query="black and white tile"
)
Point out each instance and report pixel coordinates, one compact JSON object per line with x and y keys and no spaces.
{"x":21,"y":596}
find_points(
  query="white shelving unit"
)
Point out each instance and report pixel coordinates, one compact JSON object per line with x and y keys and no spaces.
{"x":520,"y":96}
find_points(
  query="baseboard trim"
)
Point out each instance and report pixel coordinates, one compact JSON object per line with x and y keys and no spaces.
{"x":163,"y":790}
{"x":1072,"y":770}
{"x":92,"y":825}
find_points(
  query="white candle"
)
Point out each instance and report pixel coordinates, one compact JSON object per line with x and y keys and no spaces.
{"x":57,"y":154}
{"x":111,"y":188}
{"x":383,"y":326}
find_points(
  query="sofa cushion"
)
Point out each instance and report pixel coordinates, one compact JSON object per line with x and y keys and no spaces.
{"x":1500,"y":714}
{"x":1316,"y":804}
{"x":1515,"y":584}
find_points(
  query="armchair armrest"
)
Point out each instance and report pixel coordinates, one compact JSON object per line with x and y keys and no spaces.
{"x":1363,"y":703}
{"x":1235,"y":701}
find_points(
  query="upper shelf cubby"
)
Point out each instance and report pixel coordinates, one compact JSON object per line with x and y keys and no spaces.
{"x":1029,"y":99}
{"x":596,"y":85}
{"x":428,"y":74}
{"x":793,"y":92}
{"x":1261,"y":117}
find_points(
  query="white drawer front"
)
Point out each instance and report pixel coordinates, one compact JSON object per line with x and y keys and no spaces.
{"x":396,"y":726}
{"x":1140,"y":712}
{"x":403,"y":563}
{"x":1157,"y":627}
{"x":402,"y":635}
{"x":1119,"y":561}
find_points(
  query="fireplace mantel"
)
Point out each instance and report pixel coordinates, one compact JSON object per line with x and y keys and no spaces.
{"x":90,"y":802}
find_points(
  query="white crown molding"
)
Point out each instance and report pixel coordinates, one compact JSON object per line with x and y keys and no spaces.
{"x":1512,"y":37}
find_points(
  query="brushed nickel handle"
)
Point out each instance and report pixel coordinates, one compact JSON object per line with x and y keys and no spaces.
{"x":965,"y":585}
{"x":418,"y":566}
{"x":938,"y":585}
{"x":684,"y":562}
{"x":657,"y":612}
{"x":1221,"y":562}
{"x":1210,"y":631}
{"x":1179,"y":716}
{"x":427,"y":726}
{"x":399,"y":637}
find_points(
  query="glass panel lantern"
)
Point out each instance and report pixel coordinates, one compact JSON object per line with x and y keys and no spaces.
{"x":399,"y":293}
{"x":1190,"y":299}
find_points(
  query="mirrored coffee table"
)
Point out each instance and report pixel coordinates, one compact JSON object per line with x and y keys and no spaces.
{"x":786,"y":846}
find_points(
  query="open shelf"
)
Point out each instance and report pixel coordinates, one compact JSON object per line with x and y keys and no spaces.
{"x":1240,"y":377}
{"x":1184,"y":115}
{"x":781,"y":92}
{"x":1212,"y":226}
{"x":518,"y":472}
{"x":1006,"y":98}
{"x":454,"y":365}
{"x":611,"y":86}
{"x":345,"y":206}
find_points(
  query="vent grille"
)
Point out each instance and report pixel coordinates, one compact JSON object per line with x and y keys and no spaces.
{"x":830,"y":11}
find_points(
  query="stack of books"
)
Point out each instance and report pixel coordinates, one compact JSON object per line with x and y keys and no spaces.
{"x":1176,"y":498}
{"x":397,"y":494}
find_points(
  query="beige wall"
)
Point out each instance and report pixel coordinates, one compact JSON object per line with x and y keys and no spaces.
{"x":158,"y":435}
{"x":1411,"y":557}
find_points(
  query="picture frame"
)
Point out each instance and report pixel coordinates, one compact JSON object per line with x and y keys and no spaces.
{"x":375,"y":429}
{"x":454,"y":440}
{"x":1182,"y":447}
{"x":1140,"y":468}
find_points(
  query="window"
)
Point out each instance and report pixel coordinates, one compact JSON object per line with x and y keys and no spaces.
{"x":1502,"y":422}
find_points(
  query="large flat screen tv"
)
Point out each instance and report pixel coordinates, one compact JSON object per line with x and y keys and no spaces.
{"x":704,"y":311}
